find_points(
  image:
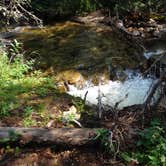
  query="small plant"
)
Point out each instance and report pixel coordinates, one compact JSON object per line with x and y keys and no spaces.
{"x":103,"y":137}
{"x":8,"y":149}
{"x":28,"y":121}
{"x":42,"y":92}
{"x":4,"y":109}
{"x":79,"y":104}
{"x":13,"y":136}
{"x":15,"y":48}
{"x":71,"y":116}
{"x":28,"y":111}
{"x":17,"y":150}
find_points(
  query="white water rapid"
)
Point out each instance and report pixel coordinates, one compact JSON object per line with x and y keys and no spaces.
{"x":130,"y":92}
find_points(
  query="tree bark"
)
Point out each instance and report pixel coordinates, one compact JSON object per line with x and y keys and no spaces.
{"x":58,"y":136}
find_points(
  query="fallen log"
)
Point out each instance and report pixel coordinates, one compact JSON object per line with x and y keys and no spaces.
{"x":152,"y":92}
{"x":58,"y":136}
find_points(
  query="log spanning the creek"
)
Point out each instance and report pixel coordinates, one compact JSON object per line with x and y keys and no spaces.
{"x":57,"y":136}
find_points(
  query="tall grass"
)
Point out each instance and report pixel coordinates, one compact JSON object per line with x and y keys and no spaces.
{"x":16,"y":78}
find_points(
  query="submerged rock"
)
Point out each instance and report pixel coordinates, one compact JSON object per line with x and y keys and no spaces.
{"x":69,"y":77}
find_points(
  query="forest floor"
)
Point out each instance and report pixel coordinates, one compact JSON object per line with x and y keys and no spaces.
{"x":45,"y":109}
{"x":46,"y":156}
{"x":125,"y":127}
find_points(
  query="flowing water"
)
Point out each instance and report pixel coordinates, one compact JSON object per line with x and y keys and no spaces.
{"x":91,"y":51}
{"x":71,"y":45}
{"x":155,"y":49}
{"x":133,"y":91}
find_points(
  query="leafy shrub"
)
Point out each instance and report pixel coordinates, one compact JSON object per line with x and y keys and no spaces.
{"x":50,"y":10}
{"x":103,"y":137}
{"x":151,"y":147}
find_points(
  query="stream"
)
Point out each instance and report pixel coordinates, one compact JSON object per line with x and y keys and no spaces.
{"x":106,"y":65}
{"x":134,"y":90}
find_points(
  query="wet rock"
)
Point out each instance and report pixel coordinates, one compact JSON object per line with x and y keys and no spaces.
{"x":61,"y":86}
{"x":150,"y":29}
{"x":92,"y":19}
{"x":121,"y":75}
{"x":71,"y":115}
{"x":152,"y":22}
{"x":130,"y":29}
{"x":120,"y":24}
{"x":136,"y":33}
{"x":84,"y":67}
{"x":143,"y":35}
{"x":162,"y":103}
{"x":70,"y":77}
{"x":157,"y":33}
{"x":141,"y":29}
{"x":102,"y":79}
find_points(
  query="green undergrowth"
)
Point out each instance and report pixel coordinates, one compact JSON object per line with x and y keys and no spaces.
{"x":150,"y":148}
{"x":18,"y":81}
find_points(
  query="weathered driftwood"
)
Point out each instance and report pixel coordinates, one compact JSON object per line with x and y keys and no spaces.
{"x":58,"y":136}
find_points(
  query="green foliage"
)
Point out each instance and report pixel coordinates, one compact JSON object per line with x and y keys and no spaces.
{"x":28,"y":111}
{"x":69,"y":118}
{"x":87,"y":6}
{"x":4,"y":107}
{"x":13,"y":136}
{"x":103,"y":137}
{"x":15,"y":79}
{"x":12,"y":150}
{"x":133,"y":5}
{"x":28,"y":121}
{"x":79,"y":104}
{"x":62,"y":8}
{"x":15,"y":47}
{"x":151,"y":147}
{"x":50,"y":10}
{"x":17,"y":68}
{"x":30,"y":114}
{"x":44,"y":89}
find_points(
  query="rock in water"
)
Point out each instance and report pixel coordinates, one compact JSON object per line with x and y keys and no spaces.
{"x":70,"y":77}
